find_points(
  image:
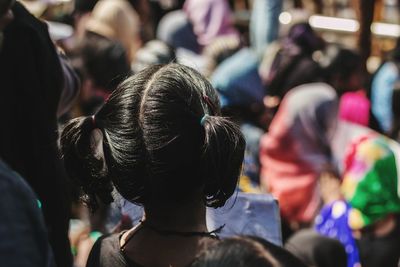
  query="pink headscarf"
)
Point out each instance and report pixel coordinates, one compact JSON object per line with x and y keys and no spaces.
{"x":354,"y":107}
{"x":210,"y":19}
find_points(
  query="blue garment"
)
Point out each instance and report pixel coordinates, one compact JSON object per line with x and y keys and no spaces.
{"x":251,"y":162}
{"x":237,"y":80}
{"x":381,"y":94}
{"x":23,"y":235}
{"x":332,"y":222}
{"x":264,"y":24}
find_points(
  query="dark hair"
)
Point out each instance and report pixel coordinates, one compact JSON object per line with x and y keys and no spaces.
{"x":84,"y":6}
{"x":305,"y":37}
{"x":340,"y":62}
{"x":164,"y":139}
{"x":237,"y":252}
{"x":98,"y":54}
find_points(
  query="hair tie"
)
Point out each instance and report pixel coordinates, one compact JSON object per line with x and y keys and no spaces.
{"x":203,"y":119}
{"x":209,"y":104}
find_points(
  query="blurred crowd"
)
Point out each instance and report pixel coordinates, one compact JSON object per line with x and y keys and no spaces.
{"x":108,"y":88}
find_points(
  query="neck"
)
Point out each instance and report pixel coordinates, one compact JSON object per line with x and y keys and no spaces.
{"x":186,"y":217}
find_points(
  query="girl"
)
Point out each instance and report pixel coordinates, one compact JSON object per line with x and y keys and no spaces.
{"x":160,"y":141}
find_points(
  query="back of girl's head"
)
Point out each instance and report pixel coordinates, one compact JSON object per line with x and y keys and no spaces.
{"x":237,"y":252}
{"x":158,"y":138}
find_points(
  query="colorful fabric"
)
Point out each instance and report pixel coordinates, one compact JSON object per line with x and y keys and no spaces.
{"x":370,"y":189}
{"x":332,"y":222}
{"x":370,"y":181}
{"x":354,"y":107}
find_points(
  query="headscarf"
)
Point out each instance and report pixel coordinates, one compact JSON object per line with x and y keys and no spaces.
{"x":370,"y":181}
{"x":370,"y":189}
{"x":116,"y":20}
{"x":210,"y":19}
{"x":305,"y":138}
{"x":296,"y":148}
{"x":354,"y":107}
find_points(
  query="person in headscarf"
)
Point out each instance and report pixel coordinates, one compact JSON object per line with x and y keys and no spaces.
{"x":317,"y":250}
{"x":305,"y":140}
{"x":210,"y":19}
{"x":117,"y":20}
{"x":293,"y":64}
{"x":366,"y":220}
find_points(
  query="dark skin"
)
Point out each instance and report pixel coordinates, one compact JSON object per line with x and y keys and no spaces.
{"x":171,"y":250}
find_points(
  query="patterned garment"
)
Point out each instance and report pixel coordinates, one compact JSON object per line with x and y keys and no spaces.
{"x":370,"y":181}
{"x":370,"y":190}
{"x":332,"y":222}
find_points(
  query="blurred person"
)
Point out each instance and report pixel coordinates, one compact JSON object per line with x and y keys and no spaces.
{"x":81,"y":14}
{"x":343,"y":69}
{"x":238,"y":74}
{"x":366,"y":217}
{"x":23,"y":234}
{"x":93,"y":58}
{"x":293,"y":63}
{"x":246,"y":251}
{"x":34,"y":78}
{"x":384,"y":81}
{"x":118,"y":21}
{"x":202,"y":34}
{"x":177,"y":31}
{"x":147,"y":19}
{"x":161,"y":142}
{"x":210,"y":19}
{"x":317,"y":250}
{"x":304,"y":141}
{"x":152,"y":53}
